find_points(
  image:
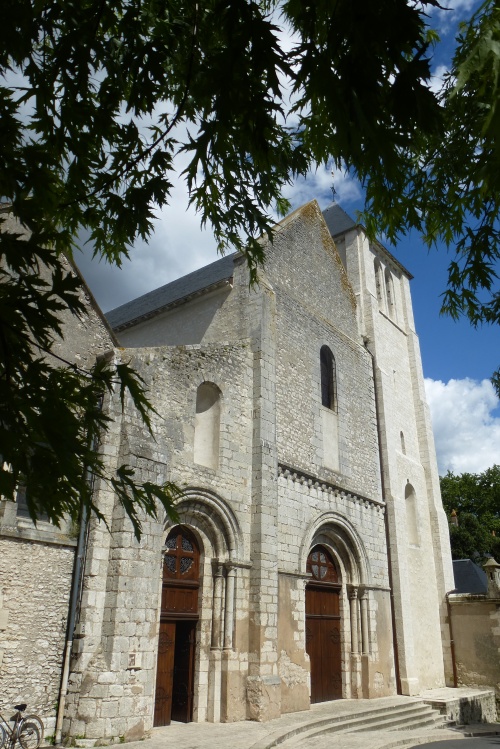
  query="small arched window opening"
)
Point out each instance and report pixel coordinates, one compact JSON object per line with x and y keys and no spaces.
{"x":207,"y":425}
{"x":320,"y":565}
{"x":411,"y":515}
{"x":378,"y":282}
{"x":403,"y":446}
{"x":182,"y":556}
{"x":328,"y":379}
{"x":389,"y":290}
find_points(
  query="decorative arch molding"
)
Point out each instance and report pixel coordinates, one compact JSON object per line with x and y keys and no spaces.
{"x":335,"y":531}
{"x":203,"y":508}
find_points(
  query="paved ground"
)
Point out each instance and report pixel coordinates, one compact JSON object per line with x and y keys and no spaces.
{"x":252,"y":735}
{"x":491,"y":742}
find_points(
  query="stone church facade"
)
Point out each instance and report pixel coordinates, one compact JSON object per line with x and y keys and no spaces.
{"x":311,"y":557}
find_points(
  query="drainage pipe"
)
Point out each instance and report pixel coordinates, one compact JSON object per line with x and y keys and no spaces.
{"x":74,"y":596}
{"x":452,"y":641}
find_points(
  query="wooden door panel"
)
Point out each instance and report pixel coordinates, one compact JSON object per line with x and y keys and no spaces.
{"x":323,"y":643}
{"x":165,"y":674}
{"x":313,"y":649}
{"x":177,"y":600}
{"x":322,"y":602}
{"x":331,"y":663}
{"x":182,"y":692}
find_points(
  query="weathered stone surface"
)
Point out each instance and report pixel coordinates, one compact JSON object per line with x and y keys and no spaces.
{"x":285,"y":473}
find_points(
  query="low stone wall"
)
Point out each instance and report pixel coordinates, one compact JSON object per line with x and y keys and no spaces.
{"x":476,"y":633}
{"x":464,"y":706}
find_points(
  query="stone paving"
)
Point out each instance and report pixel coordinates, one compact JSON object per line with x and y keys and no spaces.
{"x":253,"y":735}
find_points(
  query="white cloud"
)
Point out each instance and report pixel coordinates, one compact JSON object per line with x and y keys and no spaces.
{"x":176,"y":247}
{"x":452,"y":12}
{"x":466,"y":430}
{"x":437,"y":78}
{"x":318,"y":184}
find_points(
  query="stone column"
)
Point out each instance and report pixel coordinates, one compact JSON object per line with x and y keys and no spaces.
{"x":353,"y":605}
{"x":215,"y":670}
{"x":217,"y":605}
{"x":229,"y":617}
{"x":365,"y":644}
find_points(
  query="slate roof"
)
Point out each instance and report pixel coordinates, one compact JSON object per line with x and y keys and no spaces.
{"x":152,"y":303}
{"x":156,"y":300}
{"x":469,"y":577}
{"x":337,"y":220}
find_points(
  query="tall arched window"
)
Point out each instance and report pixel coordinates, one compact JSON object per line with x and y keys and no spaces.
{"x":329,"y":415}
{"x":403,"y":445}
{"x":207,"y":425}
{"x":411,"y":515}
{"x":328,"y":379}
{"x":379,"y":282}
{"x":389,"y":290}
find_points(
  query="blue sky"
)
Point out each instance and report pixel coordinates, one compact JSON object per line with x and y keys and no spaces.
{"x":457,"y":359}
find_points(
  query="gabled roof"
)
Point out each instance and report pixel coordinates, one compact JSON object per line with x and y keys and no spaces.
{"x":211,"y":277}
{"x":147,"y":305}
{"x":469,"y":577}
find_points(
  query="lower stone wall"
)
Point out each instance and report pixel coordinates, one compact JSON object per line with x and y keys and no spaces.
{"x":476,"y":633}
{"x":35,"y":580}
{"x":464,"y":706}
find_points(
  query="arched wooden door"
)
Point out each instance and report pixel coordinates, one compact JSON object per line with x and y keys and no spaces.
{"x":178,"y":619}
{"x":323,"y":627}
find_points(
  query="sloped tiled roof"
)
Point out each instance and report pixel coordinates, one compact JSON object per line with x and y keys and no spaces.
{"x":469,"y":577}
{"x":337,"y":220}
{"x":154,"y":301}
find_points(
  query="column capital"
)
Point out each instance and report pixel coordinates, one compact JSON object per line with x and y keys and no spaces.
{"x":217,"y":568}
{"x":352,"y":591}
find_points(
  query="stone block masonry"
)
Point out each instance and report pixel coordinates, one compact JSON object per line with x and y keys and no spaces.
{"x":35,"y":580}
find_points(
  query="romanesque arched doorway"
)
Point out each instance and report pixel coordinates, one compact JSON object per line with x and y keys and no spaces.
{"x":323,"y":626}
{"x":178,"y":620}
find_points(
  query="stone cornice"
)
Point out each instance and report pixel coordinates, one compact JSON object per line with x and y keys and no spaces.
{"x":302,"y":477}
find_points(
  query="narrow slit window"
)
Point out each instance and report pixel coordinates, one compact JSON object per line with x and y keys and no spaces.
{"x":389,"y":288}
{"x":378,"y":282}
{"x":328,"y":379}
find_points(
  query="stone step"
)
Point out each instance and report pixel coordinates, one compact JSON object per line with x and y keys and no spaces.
{"x":402,"y":723}
{"x":391,"y":717}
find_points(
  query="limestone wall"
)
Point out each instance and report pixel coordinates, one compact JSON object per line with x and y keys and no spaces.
{"x":476,"y":634}
{"x":35,"y":579}
{"x":421,"y":560}
{"x":112,"y":683}
{"x":353,"y":529}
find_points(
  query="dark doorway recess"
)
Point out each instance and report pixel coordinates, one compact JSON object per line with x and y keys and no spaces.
{"x":178,"y":621}
{"x":323,"y":626}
